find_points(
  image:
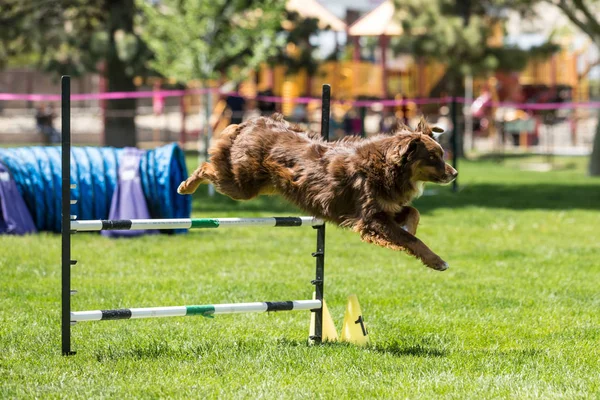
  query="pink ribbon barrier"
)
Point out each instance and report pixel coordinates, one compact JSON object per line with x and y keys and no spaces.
{"x":547,"y":106}
{"x":537,"y":106}
{"x":300,"y":100}
{"x":103,"y":96}
{"x":401,"y":102}
{"x":355,"y":103}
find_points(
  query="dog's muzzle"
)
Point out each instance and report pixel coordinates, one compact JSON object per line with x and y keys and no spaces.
{"x":450,"y":175}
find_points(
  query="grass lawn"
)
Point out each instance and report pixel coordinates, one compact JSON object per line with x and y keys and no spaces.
{"x":517,"y":315}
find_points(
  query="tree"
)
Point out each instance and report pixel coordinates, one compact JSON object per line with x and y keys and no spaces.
{"x":75,"y":37}
{"x":466,"y":49}
{"x":458,"y":33}
{"x":205,"y":40}
{"x":585,"y":14}
{"x":297,"y":31}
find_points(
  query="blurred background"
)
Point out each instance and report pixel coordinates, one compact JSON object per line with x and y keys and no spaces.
{"x":504,"y":76}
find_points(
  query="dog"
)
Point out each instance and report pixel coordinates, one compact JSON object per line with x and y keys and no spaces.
{"x":366,"y":185}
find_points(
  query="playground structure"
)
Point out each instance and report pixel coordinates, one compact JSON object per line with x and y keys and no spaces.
{"x":163,"y":116}
{"x":71,"y":225}
{"x":544,"y":79}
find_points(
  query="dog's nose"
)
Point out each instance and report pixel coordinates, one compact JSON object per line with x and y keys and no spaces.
{"x":451,"y":172}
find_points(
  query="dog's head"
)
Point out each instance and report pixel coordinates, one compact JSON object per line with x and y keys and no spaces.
{"x":422,"y":154}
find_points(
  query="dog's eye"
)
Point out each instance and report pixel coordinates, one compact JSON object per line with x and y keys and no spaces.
{"x":431,"y":157}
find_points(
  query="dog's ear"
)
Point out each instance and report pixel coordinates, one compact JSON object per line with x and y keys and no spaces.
{"x":437,"y":131}
{"x":410,"y":148}
{"x":424,"y":127}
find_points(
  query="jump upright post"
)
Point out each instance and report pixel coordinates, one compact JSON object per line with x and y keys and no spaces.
{"x":66,"y":214}
{"x":320,"y":253}
{"x":71,"y":225}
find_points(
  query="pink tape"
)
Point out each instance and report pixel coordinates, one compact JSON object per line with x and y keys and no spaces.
{"x":548,"y":106}
{"x":400,"y":102}
{"x":29,"y":97}
{"x":103,"y":96}
{"x":538,"y":106}
{"x":300,"y":100}
{"x":355,"y":103}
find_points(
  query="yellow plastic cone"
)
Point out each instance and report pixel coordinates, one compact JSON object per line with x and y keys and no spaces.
{"x":329,"y":333}
{"x":354,"y":329}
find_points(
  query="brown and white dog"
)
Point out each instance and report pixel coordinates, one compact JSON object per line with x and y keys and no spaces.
{"x":364,"y":184}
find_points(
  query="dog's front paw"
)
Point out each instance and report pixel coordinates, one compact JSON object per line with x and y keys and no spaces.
{"x":436,"y":263}
{"x":183,"y":188}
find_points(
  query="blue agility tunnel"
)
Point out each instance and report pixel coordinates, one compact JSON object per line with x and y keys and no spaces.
{"x":95,"y":171}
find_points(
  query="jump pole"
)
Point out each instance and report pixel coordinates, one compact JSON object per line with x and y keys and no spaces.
{"x":191,"y":223}
{"x":207,"y":310}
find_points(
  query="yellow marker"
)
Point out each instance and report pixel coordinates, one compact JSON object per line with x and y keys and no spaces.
{"x":329,"y":332}
{"x":354,"y":329}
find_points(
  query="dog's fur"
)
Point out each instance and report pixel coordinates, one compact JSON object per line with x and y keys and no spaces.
{"x":364,"y":184}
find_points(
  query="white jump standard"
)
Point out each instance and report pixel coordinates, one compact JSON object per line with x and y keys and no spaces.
{"x":70,"y":225}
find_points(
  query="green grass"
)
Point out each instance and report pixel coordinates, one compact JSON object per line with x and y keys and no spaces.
{"x":516,"y":315}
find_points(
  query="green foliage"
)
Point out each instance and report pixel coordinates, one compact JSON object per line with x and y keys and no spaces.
{"x":57,"y":32}
{"x":515,"y":316}
{"x":205,"y":39}
{"x":457,"y":33}
{"x":66,"y":36}
{"x":298,"y":33}
{"x":434,"y":29}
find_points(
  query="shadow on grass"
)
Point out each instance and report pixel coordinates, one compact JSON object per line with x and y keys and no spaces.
{"x":399,"y":350}
{"x":516,"y":197}
{"x":157,"y":348}
{"x":152,"y":351}
{"x":393,"y":348}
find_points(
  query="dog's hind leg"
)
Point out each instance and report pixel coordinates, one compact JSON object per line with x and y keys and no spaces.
{"x":383,"y":231}
{"x":201,"y":175}
{"x":408,"y":218}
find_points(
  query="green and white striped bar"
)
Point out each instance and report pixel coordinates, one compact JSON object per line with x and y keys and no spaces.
{"x":205,"y":310}
{"x":190,"y":223}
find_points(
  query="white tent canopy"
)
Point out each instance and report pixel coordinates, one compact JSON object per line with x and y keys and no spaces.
{"x":312,"y":9}
{"x":378,"y":22}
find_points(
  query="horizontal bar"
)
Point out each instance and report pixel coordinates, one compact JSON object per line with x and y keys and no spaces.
{"x":190,"y":223}
{"x":204,"y":310}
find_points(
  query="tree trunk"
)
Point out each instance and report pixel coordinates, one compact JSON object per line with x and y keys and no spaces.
{"x":595,"y":158}
{"x":120,"y":114}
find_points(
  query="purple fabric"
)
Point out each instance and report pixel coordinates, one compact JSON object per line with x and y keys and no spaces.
{"x":128,"y":201}
{"x":15,"y":218}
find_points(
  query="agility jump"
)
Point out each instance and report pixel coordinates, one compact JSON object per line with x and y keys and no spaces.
{"x":70,"y":225}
